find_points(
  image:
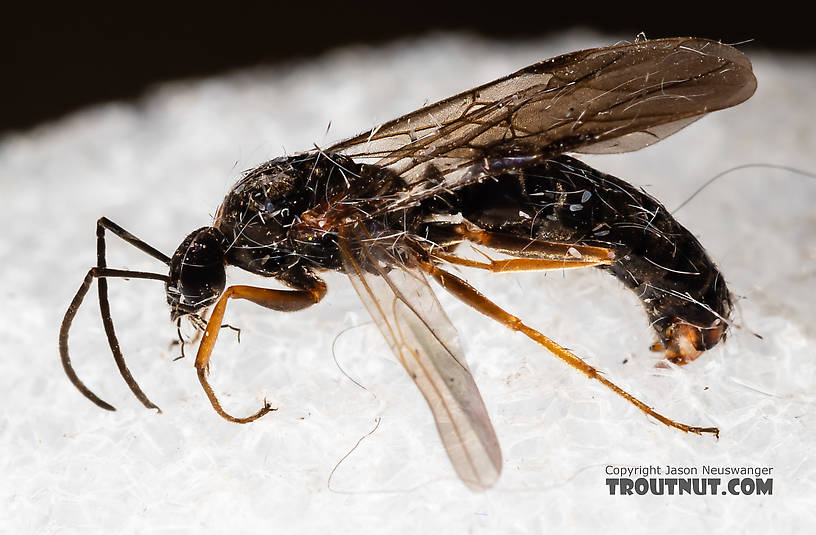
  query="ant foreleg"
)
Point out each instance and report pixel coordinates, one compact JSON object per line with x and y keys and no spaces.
{"x":281,"y":300}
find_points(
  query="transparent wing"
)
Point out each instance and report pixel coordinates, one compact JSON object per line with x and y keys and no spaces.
{"x":406,"y":310}
{"x":613,"y":99}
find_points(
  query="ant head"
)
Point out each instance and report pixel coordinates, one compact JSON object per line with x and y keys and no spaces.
{"x":197,"y":272}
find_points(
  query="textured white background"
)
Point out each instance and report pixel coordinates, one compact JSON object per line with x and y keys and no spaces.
{"x":159,"y":167}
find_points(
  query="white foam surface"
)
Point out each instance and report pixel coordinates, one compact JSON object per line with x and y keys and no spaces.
{"x":159,"y":167}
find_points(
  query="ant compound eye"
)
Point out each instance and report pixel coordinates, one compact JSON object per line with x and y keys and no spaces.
{"x":197,"y":274}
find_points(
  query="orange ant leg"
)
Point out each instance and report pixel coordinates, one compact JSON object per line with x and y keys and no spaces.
{"x":533,"y":248}
{"x":509,"y":265}
{"x":469,"y":295}
{"x":281,"y":300}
